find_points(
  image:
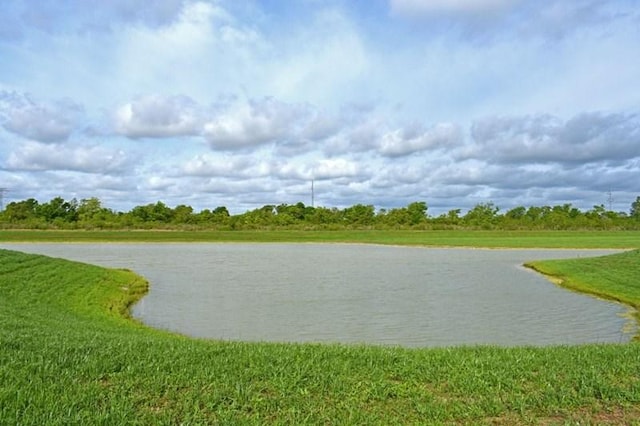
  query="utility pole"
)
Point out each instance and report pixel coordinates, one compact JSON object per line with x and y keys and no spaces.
{"x":2,"y":192}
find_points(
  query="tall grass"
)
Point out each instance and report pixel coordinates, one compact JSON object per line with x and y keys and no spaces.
{"x":70,"y":355}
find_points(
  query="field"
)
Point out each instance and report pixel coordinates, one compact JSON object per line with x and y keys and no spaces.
{"x":69,"y":354}
{"x":456,"y":238}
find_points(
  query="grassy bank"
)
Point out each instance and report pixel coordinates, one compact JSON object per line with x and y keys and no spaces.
{"x":614,"y":277}
{"x":69,"y":355}
{"x":458,"y":238}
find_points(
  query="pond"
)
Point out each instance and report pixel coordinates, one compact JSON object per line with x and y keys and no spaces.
{"x":350,"y":293}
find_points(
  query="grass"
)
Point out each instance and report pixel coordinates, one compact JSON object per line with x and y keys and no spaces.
{"x":69,"y":354}
{"x":454,"y":238}
{"x":614,"y":277}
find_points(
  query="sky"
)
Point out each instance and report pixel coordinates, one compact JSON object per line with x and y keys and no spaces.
{"x":244,"y":103}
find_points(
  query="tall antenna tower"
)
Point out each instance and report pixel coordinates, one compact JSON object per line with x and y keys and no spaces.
{"x":610,"y":200}
{"x":2,"y":192}
{"x":313,"y":195}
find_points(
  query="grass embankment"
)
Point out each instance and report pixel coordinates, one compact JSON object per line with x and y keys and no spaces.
{"x":69,"y":355}
{"x":614,"y":277}
{"x":452,"y":238}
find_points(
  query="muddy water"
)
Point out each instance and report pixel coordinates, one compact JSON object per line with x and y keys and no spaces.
{"x":355,"y":293}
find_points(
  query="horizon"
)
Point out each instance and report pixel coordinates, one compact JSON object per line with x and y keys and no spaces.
{"x":430,"y":213}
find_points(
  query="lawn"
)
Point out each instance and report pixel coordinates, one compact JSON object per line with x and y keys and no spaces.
{"x":69,"y":354}
{"x":451,"y":238}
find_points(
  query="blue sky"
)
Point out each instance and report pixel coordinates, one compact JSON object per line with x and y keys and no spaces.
{"x":242,"y":103}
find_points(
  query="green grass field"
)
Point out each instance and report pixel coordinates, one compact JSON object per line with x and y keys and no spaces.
{"x":69,"y":354}
{"x":458,"y":238}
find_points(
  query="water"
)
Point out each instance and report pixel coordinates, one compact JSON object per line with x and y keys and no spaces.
{"x":355,"y":293}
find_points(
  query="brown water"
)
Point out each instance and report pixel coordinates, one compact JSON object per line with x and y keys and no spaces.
{"x":355,"y":293}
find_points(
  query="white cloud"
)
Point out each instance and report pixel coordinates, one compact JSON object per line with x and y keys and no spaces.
{"x":396,"y":175}
{"x":320,"y":169}
{"x":331,"y":168}
{"x":45,"y":122}
{"x":230,"y":124}
{"x":321,"y":126}
{"x":205,"y":51}
{"x":207,"y":165}
{"x":247,"y":167}
{"x":253,"y":123}
{"x":588,"y":137}
{"x":359,"y":135}
{"x":86,"y":159}
{"x":408,"y":140}
{"x":156,"y":116}
{"x":158,"y":183}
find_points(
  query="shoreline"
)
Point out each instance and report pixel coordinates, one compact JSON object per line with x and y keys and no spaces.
{"x":520,"y":259}
{"x":632,"y":307}
{"x":113,"y":369}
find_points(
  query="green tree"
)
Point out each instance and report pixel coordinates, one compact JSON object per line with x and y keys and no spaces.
{"x":635,"y":209}
{"x":219,"y":216}
{"x":158,"y":212}
{"x":324,"y":216}
{"x":58,"y":210}
{"x":292,"y":213}
{"x":262,"y":216}
{"x":183,"y":214}
{"x":89,"y":208}
{"x":91,"y":213}
{"x":359,"y":214}
{"x":561,"y":217}
{"x":516,"y":213}
{"x":417,"y":212}
{"x":482,"y":214}
{"x":221,"y":211}
{"x":394,"y":217}
{"x":21,"y":211}
{"x":453,"y":216}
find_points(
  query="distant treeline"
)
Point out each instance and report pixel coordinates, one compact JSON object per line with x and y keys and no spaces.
{"x":91,"y":214}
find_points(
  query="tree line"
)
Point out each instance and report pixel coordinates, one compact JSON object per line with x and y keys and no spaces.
{"x":90,"y":213}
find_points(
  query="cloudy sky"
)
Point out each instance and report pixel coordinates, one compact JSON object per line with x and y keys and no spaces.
{"x":243,"y":103}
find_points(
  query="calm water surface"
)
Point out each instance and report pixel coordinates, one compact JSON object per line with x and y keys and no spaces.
{"x":355,"y":293}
